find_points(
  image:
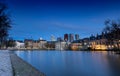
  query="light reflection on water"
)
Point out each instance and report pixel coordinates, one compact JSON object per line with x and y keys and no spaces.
{"x":73,"y":63}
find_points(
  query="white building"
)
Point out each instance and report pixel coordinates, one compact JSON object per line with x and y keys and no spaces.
{"x":61,"y":45}
{"x":19,"y":45}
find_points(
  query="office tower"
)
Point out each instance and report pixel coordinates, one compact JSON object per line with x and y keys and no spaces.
{"x":71,"y":37}
{"x":65,"y":37}
{"x":76,"y":37}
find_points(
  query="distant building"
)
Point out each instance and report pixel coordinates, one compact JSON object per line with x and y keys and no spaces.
{"x":61,"y":45}
{"x":99,"y":43}
{"x":28,"y":43}
{"x":85,"y":43}
{"x":76,"y":36}
{"x":65,"y":37}
{"x":19,"y":45}
{"x":42,"y":44}
{"x":50,"y":45}
{"x":77,"y":45}
{"x":35,"y":44}
{"x":71,"y":37}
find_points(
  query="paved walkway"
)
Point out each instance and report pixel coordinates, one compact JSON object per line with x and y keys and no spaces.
{"x":5,"y":64}
{"x":12,"y":65}
{"x":22,"y":68}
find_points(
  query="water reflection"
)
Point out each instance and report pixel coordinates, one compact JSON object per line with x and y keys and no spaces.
{"x":73,"y":63}
{"x":114,"y":64}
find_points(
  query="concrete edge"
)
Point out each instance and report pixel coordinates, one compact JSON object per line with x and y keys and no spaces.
{"x":22,"y":68}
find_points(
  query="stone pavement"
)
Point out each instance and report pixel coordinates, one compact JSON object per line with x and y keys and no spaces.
{"x":12,"y":65}
{"x":5,"y":63}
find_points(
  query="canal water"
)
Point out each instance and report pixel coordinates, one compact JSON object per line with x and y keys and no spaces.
{"x":73,"y":63}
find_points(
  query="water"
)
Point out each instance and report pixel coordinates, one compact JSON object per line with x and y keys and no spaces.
{"x":73,"y":63}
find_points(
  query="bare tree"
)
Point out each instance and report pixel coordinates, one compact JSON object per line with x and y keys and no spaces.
{"x":5,"y":24}
{"x":113,"y":32}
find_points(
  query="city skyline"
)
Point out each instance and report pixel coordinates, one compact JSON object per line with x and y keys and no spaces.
{"x":43,"y":18}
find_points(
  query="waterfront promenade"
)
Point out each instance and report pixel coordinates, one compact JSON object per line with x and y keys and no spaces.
{"x":5,"y":64}
{"x":12,"y":65}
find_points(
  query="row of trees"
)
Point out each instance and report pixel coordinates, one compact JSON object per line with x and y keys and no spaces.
{"x":112,"y":31}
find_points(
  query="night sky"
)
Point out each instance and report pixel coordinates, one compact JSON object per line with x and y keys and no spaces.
{"x":43,"y":18}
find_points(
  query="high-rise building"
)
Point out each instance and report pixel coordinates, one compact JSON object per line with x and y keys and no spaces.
{"x":76,"y":36}
{"x":65,"y":37}
{"x":71,"y":37}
